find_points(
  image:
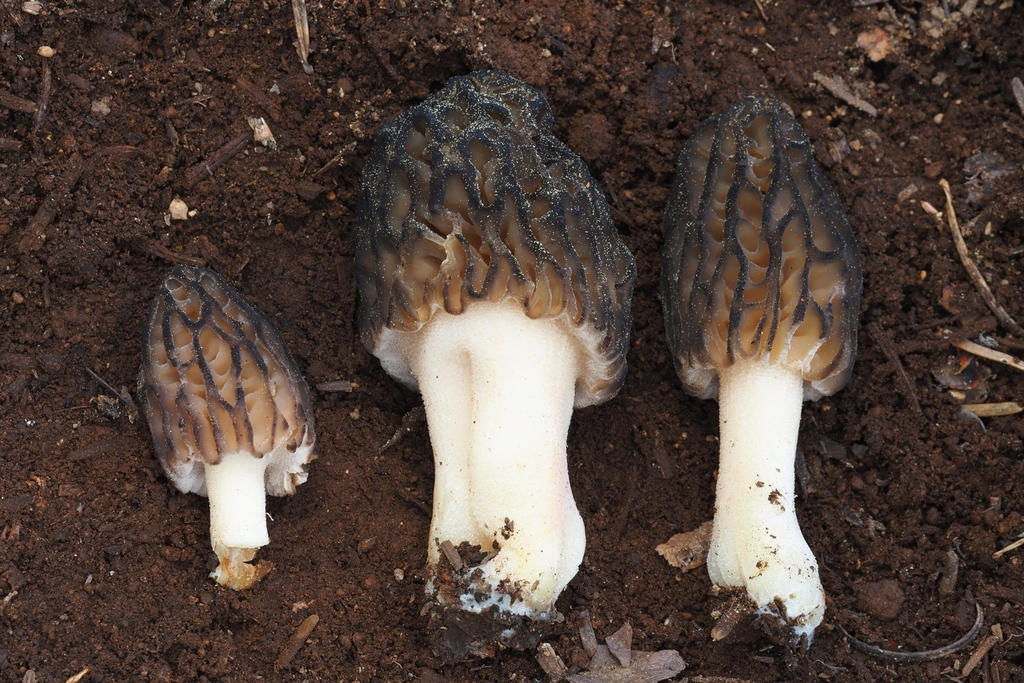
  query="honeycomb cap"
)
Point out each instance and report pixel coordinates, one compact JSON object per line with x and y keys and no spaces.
{"x":759,"y":261}
{"x":216,"y":378}
{"x":469,"y":197}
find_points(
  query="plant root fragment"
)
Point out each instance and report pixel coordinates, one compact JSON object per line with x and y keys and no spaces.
{"x":917,"y":657}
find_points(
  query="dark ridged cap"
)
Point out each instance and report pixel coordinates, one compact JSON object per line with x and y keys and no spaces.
{"x":216,"y":378}
{"x":469,"y":197}
{"x":759,"y":261}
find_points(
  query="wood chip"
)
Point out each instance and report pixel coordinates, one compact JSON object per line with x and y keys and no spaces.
{"x":453,"y":555}
{"x":645,"y":667}
{"x":1018,"y":93}
{"x":978,"y":655}
{"x":837,"y":86}
{"x":550,"y":662}
{"x":587,"y":636}
{"x":993,"y":409}
{"x":620,"y":644}
{"x":205,"y":169}
{"x":296,"y":642}
{"x":9,"y":101}
{"x":337,"y":385}
{"x":78,"y":676}
{"x":33,"y":235}
{"x":688,"y":550}
{"x":302,"y":32}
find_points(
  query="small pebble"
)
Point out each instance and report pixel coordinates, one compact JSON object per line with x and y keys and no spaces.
{"x":881,"y":599}
{"x":45,"y":51}
{"x":178,"y":210}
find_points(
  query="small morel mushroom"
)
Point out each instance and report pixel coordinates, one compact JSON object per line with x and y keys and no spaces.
{"x":230,"y":413}
{"x":761,"y":284}
{"x":492,"y":279}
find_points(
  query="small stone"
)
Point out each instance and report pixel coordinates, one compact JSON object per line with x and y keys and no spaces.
{"x":881,"y":599}
{"x":45,"y":51}
{"x":876,"y":43}
{"x":178,"y":210}
{"x":308,"y":190}
{"x":933,"y":170}
{"x":17,"y":298}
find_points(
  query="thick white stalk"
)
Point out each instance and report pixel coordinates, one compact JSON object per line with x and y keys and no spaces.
{"x":498,"y":389}
{"x":756,"y":543}
{"x":238,"y":516}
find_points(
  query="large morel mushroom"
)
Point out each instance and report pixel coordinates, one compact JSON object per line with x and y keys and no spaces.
{"x":230,"y":414}
{"x":761,"y":284}
{"x":492,"y":279}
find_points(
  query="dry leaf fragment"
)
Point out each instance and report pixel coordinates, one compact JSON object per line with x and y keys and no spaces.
{"x":619,"y":644}
{"x":645,"y":667}
{"x":688,"y":550}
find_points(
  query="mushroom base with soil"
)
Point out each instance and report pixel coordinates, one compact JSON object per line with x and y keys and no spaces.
{"x":498,"y":388}
{"x":757,"y":544}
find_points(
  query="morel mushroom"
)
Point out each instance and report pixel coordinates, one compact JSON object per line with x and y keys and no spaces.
{"x":761,"y":284}
{"x":492,"y":279}
{"x":230,"y":413}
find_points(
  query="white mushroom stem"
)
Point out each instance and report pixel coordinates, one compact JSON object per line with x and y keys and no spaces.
{"x":238,"y":516}
{"x":498,"y":388}
{"x":756,"y":543}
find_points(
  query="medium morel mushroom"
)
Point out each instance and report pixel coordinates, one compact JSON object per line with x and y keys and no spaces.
{"x":230,"y":413}
{"x":492,"y":279}
{"x":761,"y":284}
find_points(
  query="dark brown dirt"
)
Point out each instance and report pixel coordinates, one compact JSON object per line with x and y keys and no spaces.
{"x":103,"y":565}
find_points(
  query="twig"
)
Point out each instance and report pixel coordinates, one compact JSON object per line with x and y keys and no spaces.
{"x":296,"y":642}
{"x":927,"y":655}
{"x":409,"y":421}
{"x":335,"y":386}
{"x":33,"y":235}
{"x":1013,"y":546}
{"x":302,"y":31}
{"x":267,"y":104}
{"x":978,"y":655}
{"x":839,"y":89}
{"x":78,"y":676}
{"x":972,"y":270}
{"x":12,"y":10}
{"x":7,"y":145}
{"x":123,"y":395}
{"x":1018,"y":93}
{"x":45,"y":87}
{"x":990,"y":354}
{"x":760,"y":8}
{"x":9,"y":101}
{"x":411,"y":500}
{"x":993,"y":409}
{"x":154,"y":248}
{"x":889,"y":349}
{"x":338,"y":159}
{"x":205,"y":169}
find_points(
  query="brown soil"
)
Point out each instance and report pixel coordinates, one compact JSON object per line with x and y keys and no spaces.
{"x":103,"y":565}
